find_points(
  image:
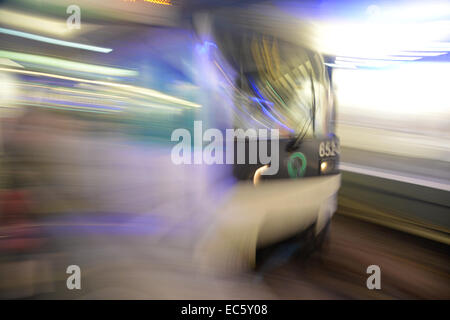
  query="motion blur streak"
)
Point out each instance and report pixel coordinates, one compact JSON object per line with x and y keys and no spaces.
{"x":66,"y":64}
{"x":358,"y":92}
{"x":54,"y":41}
{"x":144,"y":91}
{"x":393,"y":176}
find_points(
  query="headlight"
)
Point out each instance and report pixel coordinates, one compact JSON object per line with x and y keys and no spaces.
{"x":327,"y":166}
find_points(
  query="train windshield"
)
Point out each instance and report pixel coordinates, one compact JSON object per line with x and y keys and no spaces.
{"x":279,"y":85}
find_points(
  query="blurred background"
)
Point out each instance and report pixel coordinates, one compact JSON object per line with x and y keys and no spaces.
{"x":88,"y":104}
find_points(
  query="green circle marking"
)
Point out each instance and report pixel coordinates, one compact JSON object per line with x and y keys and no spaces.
{"x":296,"y":173}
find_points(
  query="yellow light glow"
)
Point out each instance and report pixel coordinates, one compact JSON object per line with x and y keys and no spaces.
{"x":323,"y":166}
{"x":258,"y":173}
{"x":163,"y":2}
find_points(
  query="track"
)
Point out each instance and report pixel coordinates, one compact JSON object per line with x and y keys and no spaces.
{"x":411,"y":267}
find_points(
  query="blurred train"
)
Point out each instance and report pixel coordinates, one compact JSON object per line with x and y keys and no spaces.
{"x":274,"y":82}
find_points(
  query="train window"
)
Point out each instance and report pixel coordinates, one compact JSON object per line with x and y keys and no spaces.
{"x":280,"y":85}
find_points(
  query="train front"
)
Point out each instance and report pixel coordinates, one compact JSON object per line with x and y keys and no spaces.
{"x":284,"y":152}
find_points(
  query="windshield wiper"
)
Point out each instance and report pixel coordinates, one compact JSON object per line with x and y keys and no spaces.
{"x":299,"y":138}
